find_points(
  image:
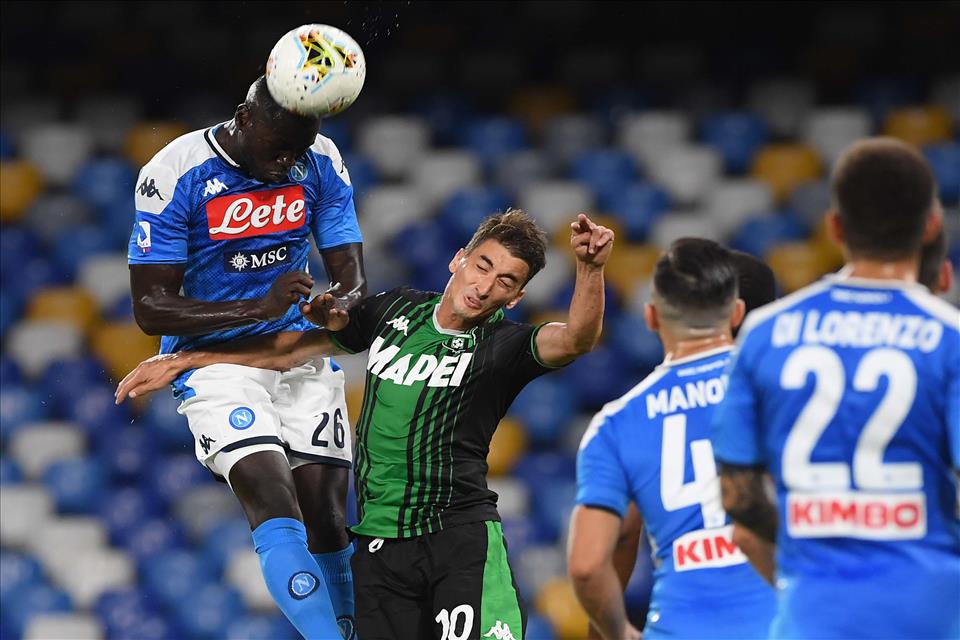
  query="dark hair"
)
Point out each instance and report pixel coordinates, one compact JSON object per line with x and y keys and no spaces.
{"x":932,"y":256}
{"x":698,"y":279}
{"x":519,"y":234}
{"x":262,"y":105}
{"x":883,"y":190}
{"x":756,"y":285}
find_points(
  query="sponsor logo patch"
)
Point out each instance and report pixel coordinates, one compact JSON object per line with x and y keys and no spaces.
{"x":706,"y":548}
{"x":256,"y":213}
{"x":857,"y":514}
{"x":256,"y":260}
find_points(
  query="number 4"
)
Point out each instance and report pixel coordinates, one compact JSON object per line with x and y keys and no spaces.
{"x":704,"y":489}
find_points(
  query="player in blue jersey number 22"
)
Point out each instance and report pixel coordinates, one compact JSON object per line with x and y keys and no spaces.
{"x":847,"y":393}
{"x":219,"y":252}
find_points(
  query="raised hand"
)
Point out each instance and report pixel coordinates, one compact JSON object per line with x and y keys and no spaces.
{"x":326,"y":311}
{"x":286,"y":290}
{"x":591,"y":242}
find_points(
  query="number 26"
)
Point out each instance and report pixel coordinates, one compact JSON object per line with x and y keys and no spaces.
{"x":338,"y":430}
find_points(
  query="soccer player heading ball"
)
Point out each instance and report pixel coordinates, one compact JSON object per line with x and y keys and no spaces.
{"x":219,"y":252}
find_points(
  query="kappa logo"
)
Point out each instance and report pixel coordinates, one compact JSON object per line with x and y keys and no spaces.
{"x":400,"y":324}
{"x":148,"y":188}
{"x":500,"y":631}
{"x":205,"y":442}
{"x":214,"y":187}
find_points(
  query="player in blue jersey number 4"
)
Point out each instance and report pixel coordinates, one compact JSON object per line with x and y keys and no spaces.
{"x":847,"y":393}
{"x":652,"y":447}
{"x":219,"y":252}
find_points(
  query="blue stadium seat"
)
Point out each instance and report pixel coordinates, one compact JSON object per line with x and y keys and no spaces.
{"x":463,"y":212}
{"x":161,"y":419}
{"x":630,"y":336}
{"x":545,"y":467}
{"x":539,"y":628}
{"x":117,"y":220}
{"x":880,"y":96}
{"x":103,"y":181}
{"x":9,"y":371}
{"x":251,"y":627}
{"x":11,"y":307}
{"x":175,"y":474}
{"x":223,"y":540}
{"x":552,"y":503}
{"x":523,"y":532}
{"x":7,"y":149}
{"x":493,"y":138}
{"x":96,"y":411}
{"x":339,"y":131}
{"x":208,"y":610}
{"x":736,"y":135}
{"x":148,"y":538}
{"x":18,"y":244}
{"x":445,"y":114}
{"x":124,"y":510}
{"x":125,"y":453}
{"x":176,"y":575}
{"x":30,"y":601}
{"x":67,"y":380}
{"x":434,"y":276}
{"x":20,"y":406}
{"x":35,"y":274}
{"x":615,"y":103}
{"x":759,"y":234}
{"x":422,"y":244}
{"x":75,"y":244}
{"x":150,"y":627}
{"x":363,"y":174}
{"x":606,"y":171}
{"x":561,"y":299}
{"x":9,"y":471}
{"x":122,"y":610}
{"x":637,"y":206}
{"x":599,"y":377}
{"x":944,"y":158}
{"x":18,"y":572}
{"x":77,"y":485}
{"x":544,"y":407}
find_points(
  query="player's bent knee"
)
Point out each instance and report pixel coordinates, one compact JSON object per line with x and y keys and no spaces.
{"x":264,"y":486}
{"x":322,"y":495}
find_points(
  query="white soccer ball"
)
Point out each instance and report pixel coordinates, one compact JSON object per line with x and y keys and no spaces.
{"x":315,"y":71}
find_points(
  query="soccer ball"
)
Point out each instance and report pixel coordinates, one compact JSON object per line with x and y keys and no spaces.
{"x":315,"y":71}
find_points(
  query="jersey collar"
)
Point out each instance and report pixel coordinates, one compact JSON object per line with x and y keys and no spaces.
{"x":697,"y":356}
{"x":844,"y":278}
{"x":496,"y":317}
{"x":211,"y":139}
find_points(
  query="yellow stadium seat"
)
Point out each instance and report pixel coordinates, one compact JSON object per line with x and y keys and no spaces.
{"x":146,"y":139}
{"x":354,"y":398}
{"x":121,"y":346}
{"x":784,"y":166}
{"x":538,"y":105}
{"x":71,"y":305}
{"x":630,"y":265}
{"x":508,"y":444}
{"x":797,"y":264}
{"x":19,"y":185}
{"x":557,"y":602}
{"x":826,"y":248}
{"x":919,"y":125}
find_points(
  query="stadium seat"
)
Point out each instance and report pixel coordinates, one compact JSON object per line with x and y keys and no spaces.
{"x":946,"y":93}
{"x":122,"y":609}
{"x":161,"y":419}
{"x":440,"y":174}
{"x":568,"y":136}
{"x":71,"y":306}
{"x":394,"y":144}
{"x":128,"y":451}
{"x":208,"y":610}
{"x":556,"y":273}
{"x":7,"y":148}
{"x":811,"y":201}
{"x":175,"y":575}
{"x":122,"y":346}
{"x":57,"y":150}
{"x":275,"y":627}
{"x":122,"y":511}
{"x":387,"y":209}
{"x":103,"y":181}
{"x":760,"y":234}
{"x":493,"y":139}
{"x":10,"y":309}
{"x":520,"y":169}
{"x":785,"y":166}
{"x":18,"y":571}
{"x":514,"y":496}
{"x":106,"y":277}
{"x":732,"y":201}
{"x":880,"y":96}
{"x":464,"y":210}
{"x":606,"y":171}
{"x":93,"y":572}
{"x":641,"y":347}
{"x":363,"y":174}
{"x":691,"y":224}
{"x":73,"y":245}
{"x":795,"y":264}
{"x":171,"y":477}
{"x":557,"y":602}
{"x":446,"y":113}
{"x":145,"y":139}
{"x":243,"y":573}
{"x":831,"y":130}
{"x":539,"y":628}
{"x":24,"y":510}
{"x":61,"y":541}
{"x":423,"y":244}
{"x":67,"y":382}
{"x":9,"y":471}
{"x":77,"y":485}
{"x":736,"y":135}
{"x":944,"y":159}
{"x":49,"y":214}
{"x":537,"y":468}
{"x":10,"y":373}
{"x":18,"y":244}
{"x":33,"y":601}
{"x":536,"y":566}
{"x":598,"y":377}
{"x":96,"y":412}
{"x":649,"y":134}
{"x":782,"y":102}
{"x":919,"y":125}
{"x":508,"y":444}
{"x":637,"y":206}
{"x":19,"y":407}
{"x":630,"y":264}
{"x":108,"y":118}
{"x":20,"y":184}
{"x":554,"y":203}
{"x":201,"y":508}
{"x":37,"y":446}
{"x":151,"y":537}
{"x":536,"y":106}
{"x":228,"y":536}
{"x":552,"y":504}
{"x":687,"y":172}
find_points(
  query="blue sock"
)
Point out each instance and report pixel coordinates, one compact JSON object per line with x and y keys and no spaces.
{"x":291,"y":577}
{"x":335,"y":567}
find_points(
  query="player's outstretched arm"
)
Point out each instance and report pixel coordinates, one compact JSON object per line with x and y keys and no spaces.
{"x":593,"y":537}
{"x":344,"y":266}
{"x":559,"y":343}
{"x":746,"y":501}
{"x":160,"y":309}
{"x":278,"y":351}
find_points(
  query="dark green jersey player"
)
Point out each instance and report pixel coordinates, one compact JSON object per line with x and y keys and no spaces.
{"x":442,"y":369}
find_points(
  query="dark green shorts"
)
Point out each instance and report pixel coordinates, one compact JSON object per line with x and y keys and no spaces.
{"x":455,"y":584}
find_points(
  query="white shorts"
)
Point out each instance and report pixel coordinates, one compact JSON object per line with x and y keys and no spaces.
{"x":234,"y":411}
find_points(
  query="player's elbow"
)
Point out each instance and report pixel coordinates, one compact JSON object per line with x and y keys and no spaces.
{"x":146,"y":319}
{"x":582,"y":567}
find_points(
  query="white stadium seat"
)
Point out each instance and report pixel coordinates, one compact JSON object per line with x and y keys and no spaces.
{"x":62,"y":540}
{"x":108,"y":118}
{"x":35,"y":344}
{"x":540,"y":564}
{"x":63,"y":626}
{"x":830,"y":131}
{"x":107,"y":277}
{"x":514,"y":497}
{"x":730,"y":202}
{"x":783,"y":103}
{"x":523,"y":168}
{"x":20,"y":116}
{"x":23,"y":510}
{"x":687,"y":172}
{"x":243,"y":573}
{"x":58,"y":150}
{"x":649,"y":134}
{"x":204,"y":507}
{"x":555,"y":202}
{"x":555,"y":274}
{"x":393,"y":143}
{"x":440,"y":174}
{"x":384,"y":210}
{"x":811,"y":200}
{"x":674,"y":224}
{"x":51,"y":213}
{"x":93,"y":572}
{"x":565,"y":137}
{"x":38,"y":445}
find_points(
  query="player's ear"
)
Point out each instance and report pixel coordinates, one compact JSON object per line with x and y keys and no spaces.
{"x":519,"y":296}
{"x":650,"y":317}
{"x":945,"y":279}
{"x":934,"y":223}
{"x":242,"y":116}
{"x":739,"y":312}
{"x":457,"y":259}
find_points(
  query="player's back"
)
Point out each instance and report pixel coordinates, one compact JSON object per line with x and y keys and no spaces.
{"x":657,"y":436}
{"x":855,"y":392}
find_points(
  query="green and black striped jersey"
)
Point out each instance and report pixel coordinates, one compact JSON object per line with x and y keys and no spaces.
{"x":432,"y":401}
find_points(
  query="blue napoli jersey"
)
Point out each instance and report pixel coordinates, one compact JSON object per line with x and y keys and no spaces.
{"x":848,"y":393}
{"x":652,"y":447}
{"x":235,"y":234}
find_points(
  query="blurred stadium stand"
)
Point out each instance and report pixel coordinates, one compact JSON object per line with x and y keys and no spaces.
{"x":663,"y":120}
